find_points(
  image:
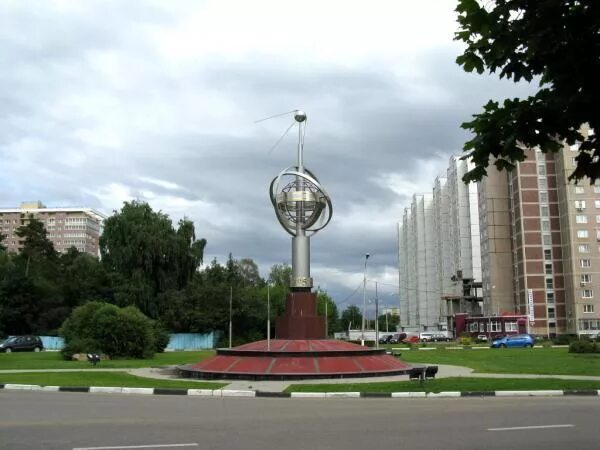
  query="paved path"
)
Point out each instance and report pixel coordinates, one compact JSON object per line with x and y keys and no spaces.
{"x":444,"y":371}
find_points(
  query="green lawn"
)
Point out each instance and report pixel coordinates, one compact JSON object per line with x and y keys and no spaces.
{"x":53,"y":360}
{"x":545,"y":361}
{"x":113,"y":379}
{"x":451,"y":384}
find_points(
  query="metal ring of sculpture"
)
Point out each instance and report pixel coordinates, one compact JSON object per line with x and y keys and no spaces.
{"x":303,"y":199}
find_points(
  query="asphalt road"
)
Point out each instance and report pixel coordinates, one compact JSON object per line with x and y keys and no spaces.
{"x":52,"y":420}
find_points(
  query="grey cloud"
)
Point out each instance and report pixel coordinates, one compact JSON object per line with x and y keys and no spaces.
{"x":363,"y":123}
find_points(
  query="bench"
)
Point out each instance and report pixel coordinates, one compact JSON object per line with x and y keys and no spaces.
{"x":423,"y":373}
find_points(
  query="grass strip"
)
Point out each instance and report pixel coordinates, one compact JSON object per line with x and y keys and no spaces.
{"x":54,"y":360}
{"x":451,"y":384}
{"x":112,"y":379}
{"x":542,"y":361}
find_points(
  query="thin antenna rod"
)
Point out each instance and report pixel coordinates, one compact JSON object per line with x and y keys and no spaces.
{"x":281,"y":138}
{"x":276,"y":115}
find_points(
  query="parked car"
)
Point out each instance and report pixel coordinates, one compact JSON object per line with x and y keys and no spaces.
{"x":385,"y":339}
{"x":517,"y":340}
{"x":22,"y":344}
{"x":412,"y":339}
{"x":481,"y":338}
{"x":397,"y":338}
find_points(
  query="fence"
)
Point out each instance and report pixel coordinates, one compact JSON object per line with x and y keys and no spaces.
{"x":192,"y":341}
{"x":178,"y":341}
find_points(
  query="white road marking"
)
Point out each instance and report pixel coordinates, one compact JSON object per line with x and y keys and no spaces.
{"x":193,"y":444}
{"x":534,"y":427}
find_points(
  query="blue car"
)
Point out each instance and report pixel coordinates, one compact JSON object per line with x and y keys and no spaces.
{"x":516,"y":340}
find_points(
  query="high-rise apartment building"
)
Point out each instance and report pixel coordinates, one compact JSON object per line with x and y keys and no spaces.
{"x":579,"y":217}
{"x":420,"y":309}
{"x":546,"y":263}
{"x":66,"y":227}
{"x":440,"y":264}
{"x":528,"y":238}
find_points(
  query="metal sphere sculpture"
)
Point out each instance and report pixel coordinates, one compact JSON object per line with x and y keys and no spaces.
{"x":301,"y":203}
{"x":302,"y":207}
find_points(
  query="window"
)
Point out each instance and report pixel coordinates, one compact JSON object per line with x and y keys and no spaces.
{"x":541,"y":169}
{"x":550,"y":297}
{"x":581,"y":218}
{"x":597,"y":219}
{"x":588,"y":308}
{"x":597,"y":204}
{"x":474,"y":326}
{"x":581,"y":234}
{"x":580,"y":204}
{"x":579,"y":190}
{"x":542,"y":183}
{"x":495,"y":326}
{"x":545,"y":225}
{"x":545,"y":211}
{"x":596,"y":189}
{"x":551,"y":313}
{"x":543,"y":196}
{"x":584,"y":262}
{"x":547,"y":239}
{"x":511,"y":326}
{"x":548,"y":255}
{"x":574,"y":160}
{"x":548,"y":269}
{"x":586,"y":278}
{"x":549,"y":283}
{"x":587,"y":293}
{"x":583,"y":248}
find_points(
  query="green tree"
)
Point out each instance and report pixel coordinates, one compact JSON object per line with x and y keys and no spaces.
{"x":324,"y":299}
{"x":35,"y":243}
{"x":83,"y":278}
{"x":351,"y":318}
{"x":280,"y":275}
{"x":388,"y":322}
{"x":147,"y":256}
{"x":248,"y":272}
{"x":554,"y":41}
{"x":30,"y":289}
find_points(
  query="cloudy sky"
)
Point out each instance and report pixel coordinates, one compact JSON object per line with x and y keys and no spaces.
{"x":107,"y":101}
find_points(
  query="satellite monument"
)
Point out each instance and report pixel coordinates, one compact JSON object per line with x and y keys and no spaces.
{"x":300,"y":349}
{"x":302,"y":207}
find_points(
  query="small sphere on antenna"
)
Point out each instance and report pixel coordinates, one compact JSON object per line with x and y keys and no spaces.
{"x":300,"y":116}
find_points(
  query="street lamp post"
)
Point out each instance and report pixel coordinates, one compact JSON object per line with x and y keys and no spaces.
{"x":230,"y":314}
{"x":376,"y":317}
{"x":367,"y":255}
{"x":268,"y":318}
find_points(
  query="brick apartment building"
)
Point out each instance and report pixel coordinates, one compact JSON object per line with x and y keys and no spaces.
{"x":66,"y":227}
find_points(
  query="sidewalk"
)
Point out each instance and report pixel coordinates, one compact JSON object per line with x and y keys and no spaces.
{"x":444,"y":371}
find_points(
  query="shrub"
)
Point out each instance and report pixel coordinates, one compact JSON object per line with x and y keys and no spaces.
{"x":465,"y":340}
{"x":80,"y":346}
{"x":162,"y":337}
{"x":564,"y":339}
{"x":584,"y":346}
{"x":106,"y":328}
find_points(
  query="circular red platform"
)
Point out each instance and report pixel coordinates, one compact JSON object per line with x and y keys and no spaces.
{"x":296,"y":359}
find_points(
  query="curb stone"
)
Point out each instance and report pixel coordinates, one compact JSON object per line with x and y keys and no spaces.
{"x":269,"y":394}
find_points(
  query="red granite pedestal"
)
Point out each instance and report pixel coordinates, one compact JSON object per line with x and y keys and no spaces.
{"x":300,"y":351}
{"x":300,"y":320}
